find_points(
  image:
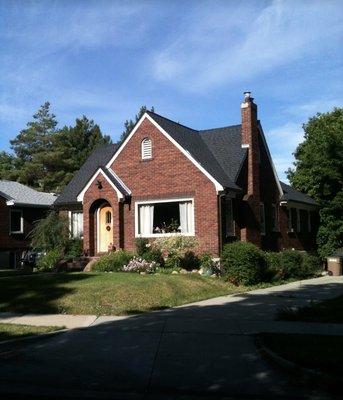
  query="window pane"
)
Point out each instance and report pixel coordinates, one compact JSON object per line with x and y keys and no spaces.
{"x":15,"y":221}
{"x":77,"y":224}
{"x":169,"y":217}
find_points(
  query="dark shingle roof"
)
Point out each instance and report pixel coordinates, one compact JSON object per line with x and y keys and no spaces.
{"x":100,"y":156}
{"x":226,"y":145}
{"x":19,"y":194}
{"x":289,"y":193}
{"x":115,"y":181}
{"x":192,"y":142}
{"x":218,"y":150}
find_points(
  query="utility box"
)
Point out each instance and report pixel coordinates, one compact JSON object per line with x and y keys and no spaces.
{"x":335,"y":263}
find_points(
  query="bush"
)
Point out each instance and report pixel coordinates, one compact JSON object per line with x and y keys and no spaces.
{"x":243,"y":263}
{"x":50,"y":233}
{"x":154,"y":255}
{"x":74,"y":248}
{"x":311,"y":266}
{"x":142,"y":246}
{"x":140,"y":265}
{"x":113,"y":261}
{"x":189,"y":261}
{"x":48,"y":261}
{"x":274,"y":270}
{"x":207,"y":264}
{"x":175,"y":246}
{"x":291,"y":264}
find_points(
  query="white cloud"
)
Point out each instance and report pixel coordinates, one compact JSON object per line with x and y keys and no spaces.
{"x":213,"y":48}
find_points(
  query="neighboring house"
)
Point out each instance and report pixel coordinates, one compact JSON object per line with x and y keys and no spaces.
{"x":218,"y":184}
{"x":20,"y":207}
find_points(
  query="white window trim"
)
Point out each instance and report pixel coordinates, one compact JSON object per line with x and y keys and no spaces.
{"x":263,"y":228}
{"x":217,"y":185}
{"x":21,"y":221}
{"x":156,"y":235}
{"x":144,"y":141}
{"x":80,"y":196}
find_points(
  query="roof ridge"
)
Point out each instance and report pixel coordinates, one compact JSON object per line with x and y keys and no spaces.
{"x":174,"y":122}
{"x":221,"y":127}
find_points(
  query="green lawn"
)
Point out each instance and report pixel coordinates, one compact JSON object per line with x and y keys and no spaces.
{"x":4,"y":272}
{"x":106,"y":293}
{"x":14,"y":331}
{"x":324,"y":353}
{"x":326,"y":311}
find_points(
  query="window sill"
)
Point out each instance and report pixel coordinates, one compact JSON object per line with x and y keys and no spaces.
{"x":17,"y":233}
{"x":156,"y":235}
{"x":146,"y":159}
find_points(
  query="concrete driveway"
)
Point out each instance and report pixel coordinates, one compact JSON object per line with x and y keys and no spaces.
{"x":203,"y":350}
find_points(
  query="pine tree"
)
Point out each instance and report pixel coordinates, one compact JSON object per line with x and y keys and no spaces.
{"x":129,"y":124}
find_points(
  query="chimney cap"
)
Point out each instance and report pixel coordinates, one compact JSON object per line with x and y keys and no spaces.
{"x":247,"y":96}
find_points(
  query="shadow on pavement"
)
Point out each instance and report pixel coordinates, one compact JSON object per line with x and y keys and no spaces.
{"x":182,"y":353}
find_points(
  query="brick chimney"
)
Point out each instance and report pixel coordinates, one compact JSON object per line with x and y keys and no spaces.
{"x":250,"y":140}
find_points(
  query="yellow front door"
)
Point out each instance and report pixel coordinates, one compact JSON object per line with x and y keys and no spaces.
{"x":105,"y":229}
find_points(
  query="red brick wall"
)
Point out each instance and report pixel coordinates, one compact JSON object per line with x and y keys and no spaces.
{"x":17,"y":241}
{"x":93,"y":198}
{"x":169,"y":174}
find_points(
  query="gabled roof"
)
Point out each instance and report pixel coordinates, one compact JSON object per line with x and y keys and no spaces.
{"x":18,"y":194}
{"x":193,"y":143}
{"x":218,"y":151}
{"x":225,"y":145}
{"x":291,"y":194}
{"x":98,"y":158}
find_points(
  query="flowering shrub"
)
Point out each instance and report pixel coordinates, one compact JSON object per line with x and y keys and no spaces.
{"x":138,"y":264}
{"x":175,"y":246}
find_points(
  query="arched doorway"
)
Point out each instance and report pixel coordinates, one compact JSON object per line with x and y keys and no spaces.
{"x":104,"y":228}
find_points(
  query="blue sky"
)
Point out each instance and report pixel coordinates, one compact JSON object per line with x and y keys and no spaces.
{"x":191,"y":60}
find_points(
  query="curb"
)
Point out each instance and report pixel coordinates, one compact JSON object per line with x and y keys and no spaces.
{"x":306,"y":375}
{"x":32,"y":338}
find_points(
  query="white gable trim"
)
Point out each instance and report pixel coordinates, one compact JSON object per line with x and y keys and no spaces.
{"x":110,"y":170}
{"x":270,"y":159}
{"x":217,"y":185}
{"x":99,"y":171}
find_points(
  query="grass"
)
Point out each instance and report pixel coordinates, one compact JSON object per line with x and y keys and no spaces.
{"x":14,"y":331}
{"x":324,"y":353}
{"x":107,"y":293}
{"x":326,"y":311}
{"x":5,"y":272}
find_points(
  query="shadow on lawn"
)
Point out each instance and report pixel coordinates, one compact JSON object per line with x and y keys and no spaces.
{"x":182,"y":353}
{"x":35,"y":292}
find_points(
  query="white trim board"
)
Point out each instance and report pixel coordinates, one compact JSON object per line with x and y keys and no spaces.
{"x":84,"y":190}
{"x":217,"y":185}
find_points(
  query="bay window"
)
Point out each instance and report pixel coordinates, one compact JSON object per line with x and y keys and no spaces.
{"x":164,"y":217}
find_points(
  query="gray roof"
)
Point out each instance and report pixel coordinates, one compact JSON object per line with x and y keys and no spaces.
{"x":98,"y":158}
{"x":226,"y":144}
{"x":115,"y":181}
{"x":192,"y":142}
{"x":19,"y":194}
{"x":291,"y":194}
{"x":218,"y":150}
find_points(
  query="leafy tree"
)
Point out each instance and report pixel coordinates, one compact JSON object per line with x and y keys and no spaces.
{"x":129,"y":124}
{"x":319,"y":172}
{"x":7,"y":165}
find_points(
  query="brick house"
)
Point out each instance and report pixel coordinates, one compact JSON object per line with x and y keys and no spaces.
{"x":20,"y":207}
{"x":219,"y":185}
